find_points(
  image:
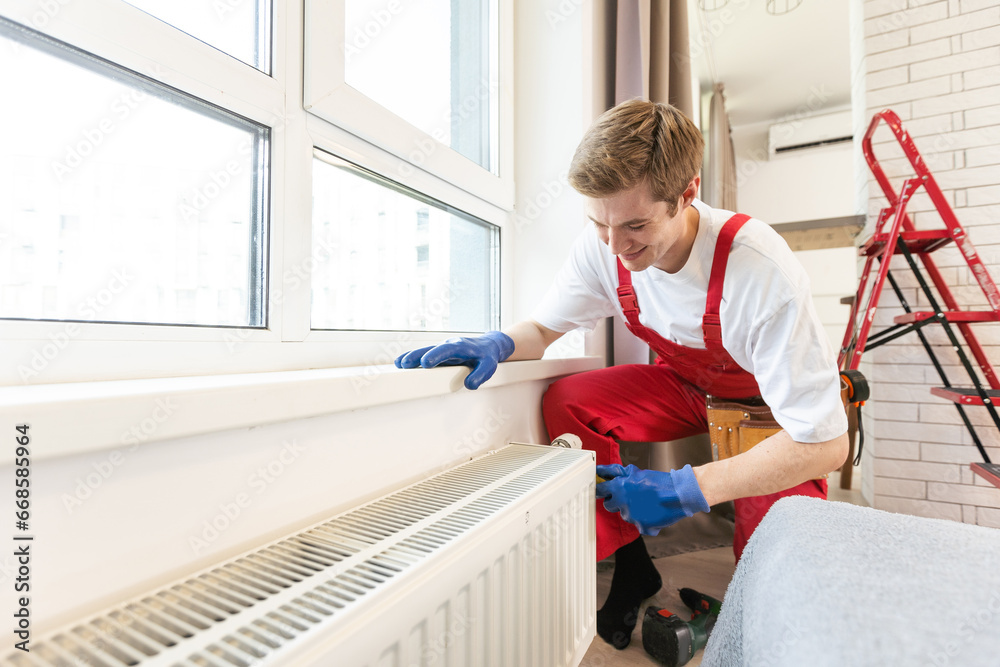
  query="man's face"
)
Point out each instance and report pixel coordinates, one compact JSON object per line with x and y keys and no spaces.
{"x":641,"y":232}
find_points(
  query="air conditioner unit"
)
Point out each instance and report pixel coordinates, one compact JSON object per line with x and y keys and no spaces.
{"x":807,"y":133}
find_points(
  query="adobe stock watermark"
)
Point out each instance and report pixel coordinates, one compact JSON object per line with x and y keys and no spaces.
{"x":8,"y":568}
{"x":231,"y":510}
{"x":930,"y":145}
{"x":387,"y":355}
{"x":390,"y":350}
{"x":293,"y":277}
{"x":715,"y":23}
{"x":370,"y":29}
{"x":425,"y":147}
{"x":278,"y":119}
{"x":121,"y":622}
{"x":223,"y":8}
{"x":46,"y":11}
{"x":571,"y":344}
{"x":563,"y":12}
{"x":893,"y":20}
{"x":89,"y":309}
{"x":553,"y":531}
{"x":775,"y":654}
{"x":281,"y":628}
{"x":91,"y":138}
{"x":135,"y":435}
{"x":436,"y":648}
{"x":544,"y":197}
{"x":201,"y":198}
{"x":219,"y":178}
{"x":984,"y":619}
{"x":790,"y":122}
{"x":631,"y":455}
{"x":478,"y":440}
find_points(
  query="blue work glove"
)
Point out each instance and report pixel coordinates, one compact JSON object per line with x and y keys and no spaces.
{"x":481,"y":354}
{"x":650,"y":499}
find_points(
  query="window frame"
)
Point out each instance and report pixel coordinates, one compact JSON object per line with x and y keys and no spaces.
{"x":127,"y":36}
{"x":416,"y":195}
{"x":260,"y":176}
{"x":327,"y":95}
{"x":262,"y":48}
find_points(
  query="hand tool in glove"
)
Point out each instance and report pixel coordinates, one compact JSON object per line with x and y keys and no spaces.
{"x":650,"y":499}
{"x":480,"y":353}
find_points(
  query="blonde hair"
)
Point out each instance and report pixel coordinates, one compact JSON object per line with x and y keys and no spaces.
{"x":638,"y":141}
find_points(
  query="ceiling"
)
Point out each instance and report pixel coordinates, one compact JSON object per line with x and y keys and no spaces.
{"x":773,"y":67}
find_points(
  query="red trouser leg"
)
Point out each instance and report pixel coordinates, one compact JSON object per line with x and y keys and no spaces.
{"x":641,"y":403}
{"x":750,"y":511}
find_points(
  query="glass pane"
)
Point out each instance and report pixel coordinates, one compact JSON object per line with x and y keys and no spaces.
{"x":122,"y":200}
{"x":441,"y":52}
{"x":238,"y":27}
{"x":385,"y":259}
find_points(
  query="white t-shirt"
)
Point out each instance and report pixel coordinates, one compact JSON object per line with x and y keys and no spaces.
{"x":769,"y":324}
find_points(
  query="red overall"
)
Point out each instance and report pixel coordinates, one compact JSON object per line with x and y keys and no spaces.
{"x":665,"y":401}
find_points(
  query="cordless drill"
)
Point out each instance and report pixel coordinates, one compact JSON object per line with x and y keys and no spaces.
{"x":673,"y":641}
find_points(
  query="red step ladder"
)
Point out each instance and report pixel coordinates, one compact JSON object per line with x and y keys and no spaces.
{"x":895,"y":234}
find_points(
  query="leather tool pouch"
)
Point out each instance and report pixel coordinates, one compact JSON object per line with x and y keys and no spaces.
{"x":734,"y":427}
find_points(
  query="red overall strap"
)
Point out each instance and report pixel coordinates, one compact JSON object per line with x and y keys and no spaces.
{"x":626,"y":295}
{"x":710,"y":323}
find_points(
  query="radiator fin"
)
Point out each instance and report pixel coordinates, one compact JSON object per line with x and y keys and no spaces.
{"x":250,"y":608}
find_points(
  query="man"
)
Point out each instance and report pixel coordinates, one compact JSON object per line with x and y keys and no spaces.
{"x":725,"y":305}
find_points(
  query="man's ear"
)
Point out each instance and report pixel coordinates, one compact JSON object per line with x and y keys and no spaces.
{"x":690,"y":192}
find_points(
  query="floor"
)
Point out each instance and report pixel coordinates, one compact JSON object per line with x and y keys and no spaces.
{"x":707,"y":570}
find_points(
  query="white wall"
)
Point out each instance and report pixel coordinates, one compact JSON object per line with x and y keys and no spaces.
{"x":937,"y":65}
{"x":803,"y":185}
{"x":550,"y":121}
{"x":832,"y":277}
{"x":551,"y":118}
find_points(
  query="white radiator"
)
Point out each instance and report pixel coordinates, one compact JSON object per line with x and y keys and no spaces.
{"x":489,"y":563}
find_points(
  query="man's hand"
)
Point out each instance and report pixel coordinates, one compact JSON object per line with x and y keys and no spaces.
{"x":481,"y":353}
{"x":649,"y":499}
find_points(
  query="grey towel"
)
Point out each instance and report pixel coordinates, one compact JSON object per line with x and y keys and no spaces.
{"x":827,"y":583}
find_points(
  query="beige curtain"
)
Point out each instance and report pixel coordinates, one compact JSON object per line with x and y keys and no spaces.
{"x":652,"y":52}
{"x":718,"y":183}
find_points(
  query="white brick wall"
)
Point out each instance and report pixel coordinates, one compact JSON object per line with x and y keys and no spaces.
{"x":936,"y":63}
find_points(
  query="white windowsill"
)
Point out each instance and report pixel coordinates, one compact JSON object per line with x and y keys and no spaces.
{"x":78,"y":417}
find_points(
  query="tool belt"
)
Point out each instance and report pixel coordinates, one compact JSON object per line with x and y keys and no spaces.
{"x":736,"y":426}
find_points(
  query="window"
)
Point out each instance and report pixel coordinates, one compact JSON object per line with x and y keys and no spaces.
{"x":240,"y":28}
{"x":378,"y":274}
{"x":123,"y":200}
{"x":438,"y":51}
{"x":180,"y":197}
{"x":423,"y":255}
{"x":444,"y":53}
